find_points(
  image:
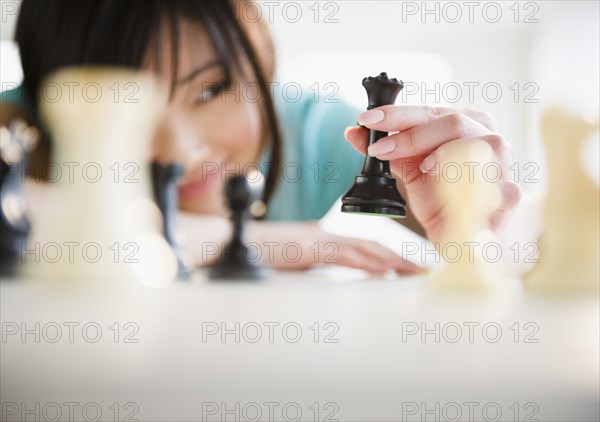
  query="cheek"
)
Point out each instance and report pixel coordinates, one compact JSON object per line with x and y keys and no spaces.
{"x":239,"y":132}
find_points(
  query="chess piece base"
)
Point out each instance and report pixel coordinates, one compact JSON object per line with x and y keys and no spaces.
{"x":238,"y":272}
{"x":375,"y":210}
{"x":376,"y":195}
{"x":238,"y":263}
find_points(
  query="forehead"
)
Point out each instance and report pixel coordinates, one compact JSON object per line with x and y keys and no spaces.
{"x":184,"y":47}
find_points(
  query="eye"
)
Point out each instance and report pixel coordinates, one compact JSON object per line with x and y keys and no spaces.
{"x":210,"y":91}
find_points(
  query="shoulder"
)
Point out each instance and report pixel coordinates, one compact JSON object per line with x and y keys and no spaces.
{"x":318,"y":164}
{"x":313,"y":123}
{"x":16,"y":102}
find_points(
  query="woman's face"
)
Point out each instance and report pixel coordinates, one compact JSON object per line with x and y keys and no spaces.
{"x":207,"y":126}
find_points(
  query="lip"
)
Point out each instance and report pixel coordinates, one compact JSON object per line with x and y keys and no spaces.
{"x":199,"y":186}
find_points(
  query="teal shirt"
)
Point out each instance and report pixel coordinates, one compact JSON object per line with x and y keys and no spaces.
{"x":318,"y":164}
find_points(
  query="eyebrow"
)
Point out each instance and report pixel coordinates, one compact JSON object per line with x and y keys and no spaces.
{"x":197,"y":72}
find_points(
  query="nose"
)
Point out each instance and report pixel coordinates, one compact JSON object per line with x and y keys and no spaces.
{"x":177,"y":141}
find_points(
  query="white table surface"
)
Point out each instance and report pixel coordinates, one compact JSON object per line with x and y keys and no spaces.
{"x":366,"y":371}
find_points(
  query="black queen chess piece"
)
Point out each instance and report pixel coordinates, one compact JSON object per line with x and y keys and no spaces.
{"x":237,"y":261}
{"x":374,"y":190}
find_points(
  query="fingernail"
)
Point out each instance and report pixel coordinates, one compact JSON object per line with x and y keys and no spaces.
{"x":427,"y":164}
{"x":381,"y":147}
{"x":371,"y":116}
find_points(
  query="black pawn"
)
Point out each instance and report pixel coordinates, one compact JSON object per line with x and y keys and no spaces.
{"x":238,"y":262}
{"x":164,"y":184}
{"x":374,"y":190}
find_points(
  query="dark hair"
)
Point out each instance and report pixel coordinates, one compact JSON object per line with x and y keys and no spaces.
{"x":52,"y":34}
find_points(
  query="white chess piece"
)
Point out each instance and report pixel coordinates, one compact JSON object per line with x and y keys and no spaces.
{"x":100,"y":218}
{"x":570,"y":243}
{"x":467,"y":246}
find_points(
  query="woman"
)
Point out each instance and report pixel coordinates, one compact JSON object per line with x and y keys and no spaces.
{"x":207,"y":54}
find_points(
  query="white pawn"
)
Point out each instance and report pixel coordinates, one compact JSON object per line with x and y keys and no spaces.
{"x":570,"y":242}
{"x":469,"y":201}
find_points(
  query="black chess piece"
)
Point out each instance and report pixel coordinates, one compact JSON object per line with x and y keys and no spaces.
{"x":16,"y":140}
{"x":374,"y":190}
{"x":164,"y":185}
{"x":238,"y":262}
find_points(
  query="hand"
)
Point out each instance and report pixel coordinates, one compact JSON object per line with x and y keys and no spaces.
{"x":418,"y":133}
{"x":287,"y":246}
{"x":299,"y":246}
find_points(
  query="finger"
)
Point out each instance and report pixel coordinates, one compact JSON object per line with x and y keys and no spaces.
{"x":350,"y":254}
{"x":511,"y":196}
{"x":353,"y":258}
{"x":405,"y":169}
{"x":358,"y":137}
{"x":502,"y":150}
{"x":427,"y":137}
{"x":394,"y":118}
{"x":388,"y":257}
{"x":498,"y":220}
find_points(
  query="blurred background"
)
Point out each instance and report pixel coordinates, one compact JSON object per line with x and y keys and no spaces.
{"x":513,"y":59}
{"x":518,"y":57}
